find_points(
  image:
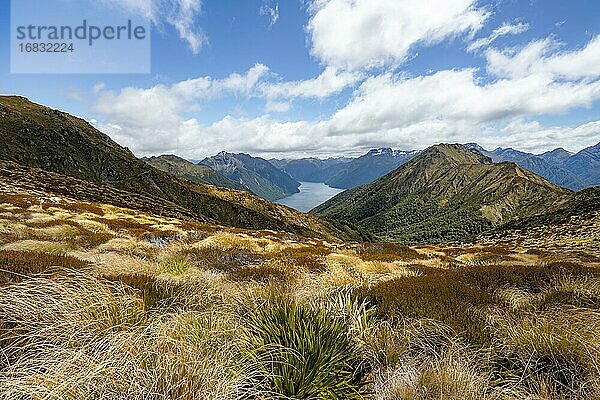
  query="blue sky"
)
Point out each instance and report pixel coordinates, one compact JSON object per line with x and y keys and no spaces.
{"x":332,"y":77}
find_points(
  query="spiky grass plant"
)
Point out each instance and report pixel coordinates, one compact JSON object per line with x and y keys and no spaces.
{"x":175,"y":266}
{"x":301,"y":353}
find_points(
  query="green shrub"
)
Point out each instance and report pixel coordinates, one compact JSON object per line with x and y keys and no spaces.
{"x":175,"y":266}
{"x":302,"y":353}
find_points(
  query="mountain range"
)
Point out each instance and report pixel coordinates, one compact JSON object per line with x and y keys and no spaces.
{"x":39,"y":138}
{"x":254,"y":174}
{"x":445,"y":193}
{"x":278,"y":178}
{"x":345,"y":173}
{"x":311,"y":169}
{"x":573,"y":171}
{"x":182,"y":168}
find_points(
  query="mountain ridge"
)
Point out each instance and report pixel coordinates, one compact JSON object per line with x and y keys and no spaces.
{"x":178,"y":166}
{"x":254,"y":174}
{"x":36,"y":136}
{"x":447,"y":192}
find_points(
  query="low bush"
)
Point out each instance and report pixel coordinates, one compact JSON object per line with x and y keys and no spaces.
{"x":531,"y":277}
{"x":210,"y":258}
{"x":437,"y":297}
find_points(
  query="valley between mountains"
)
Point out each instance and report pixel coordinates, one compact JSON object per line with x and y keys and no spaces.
{"x":450,"y":272}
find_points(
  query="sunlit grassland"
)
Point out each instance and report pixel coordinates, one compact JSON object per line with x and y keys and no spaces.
{"x":98,"y":302}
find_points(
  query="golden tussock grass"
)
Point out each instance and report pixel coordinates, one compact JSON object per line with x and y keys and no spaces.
{"x":149,"y":311}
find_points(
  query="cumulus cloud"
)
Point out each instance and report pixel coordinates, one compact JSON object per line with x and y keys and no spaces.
{"x":533,"y":136}
{"x":541,"y":57}
{"x":505,"y":29}
{"x":162,"y":105}
{"x":356,"y":34}
{"x":387,"y":108}
{"x":387,"y":102}
{"x":329,"y":82}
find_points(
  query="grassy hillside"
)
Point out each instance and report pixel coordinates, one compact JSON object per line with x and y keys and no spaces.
{"x":37,"y":136}
{"x":104,"y":302}
{"x":192,"y":172}
{"x":447,"y":192}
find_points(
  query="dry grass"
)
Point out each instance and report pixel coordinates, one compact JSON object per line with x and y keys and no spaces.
{"x":101,"y":302}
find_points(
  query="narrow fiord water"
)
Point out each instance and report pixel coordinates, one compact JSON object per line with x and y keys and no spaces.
{"x":311,"y":195}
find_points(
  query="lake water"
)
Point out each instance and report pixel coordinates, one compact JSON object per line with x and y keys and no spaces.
{"x":311,"y":195}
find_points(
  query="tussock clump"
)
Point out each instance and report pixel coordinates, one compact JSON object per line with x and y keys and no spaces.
{"x":210,"y":258}
{"x":387,"y":252}
{"x":576,"y":291}
{"x":310,"y":259}
{"x":423,"y":359}
{"x":18,"y":265}
{"x":126,"y":245}
{"x":69,"y":308}
{"x":196,"y":356}
{"x":557,"y":353}
{"x":261,"y":273}
{"x":40,"y":246}
{"x":236,"y":242}
{"x":103,"y":369}
{"x":162,"y":294}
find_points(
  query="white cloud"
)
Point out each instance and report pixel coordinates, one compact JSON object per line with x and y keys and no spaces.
{"x":98,"y":87}
{"x":505,"y":29}
{"x":390,"y":109}
{"x":532,"y":136}
{"x":329,"y":82}
{"x":277,"y":106}
{"x":162,"y":105}
{"x":356,"y":34}
{"x":270,"y":11}
{"x":386,"y":110}
{"x":540,"y":57}
{"x":388,"y":102}
{"x":181,"y":14}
